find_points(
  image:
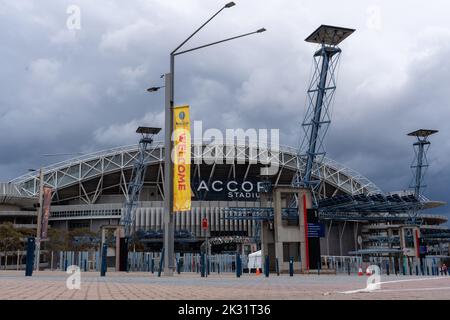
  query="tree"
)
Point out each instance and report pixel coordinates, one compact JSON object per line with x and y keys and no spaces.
{"x":10,"y":239}
{"x":83,"y":239}
{"x":58,"y":240}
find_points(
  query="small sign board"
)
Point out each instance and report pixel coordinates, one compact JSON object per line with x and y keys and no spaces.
{"x":423,"y":249}
{"x":316,"y":230}
{"x":359,"y":240}
{"x":205,"y":224}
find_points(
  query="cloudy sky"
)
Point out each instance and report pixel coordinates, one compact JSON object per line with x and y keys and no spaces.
{"x":80,"y":90}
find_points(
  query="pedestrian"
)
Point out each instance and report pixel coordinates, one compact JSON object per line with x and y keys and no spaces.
{"x":444,"y":269}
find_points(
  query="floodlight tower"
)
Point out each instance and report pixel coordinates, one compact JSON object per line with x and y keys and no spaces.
{"x":320,"y":96}
{"x":137,"y":178}
{"x":420,"y":162}
{"x":419,"y":166}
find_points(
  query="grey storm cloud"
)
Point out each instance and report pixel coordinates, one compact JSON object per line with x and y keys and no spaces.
{"x":66,"y":91}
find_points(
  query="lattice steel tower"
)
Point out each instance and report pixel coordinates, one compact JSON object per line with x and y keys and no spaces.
{"x":419,"y":165}
{"x":420,"y":162}
{"x":320,"y":97}
{"x":137,"y":178}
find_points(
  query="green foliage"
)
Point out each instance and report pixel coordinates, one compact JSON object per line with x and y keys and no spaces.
{"x":10,"y":239}
{"x":58,"y":240}
{"x":83,"y":240}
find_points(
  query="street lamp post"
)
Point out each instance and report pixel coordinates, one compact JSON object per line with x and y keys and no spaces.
{"x":168,"y":146}
{"x":39,"y":219}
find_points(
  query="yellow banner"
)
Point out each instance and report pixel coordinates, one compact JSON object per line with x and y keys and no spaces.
{"x":182,"y":159}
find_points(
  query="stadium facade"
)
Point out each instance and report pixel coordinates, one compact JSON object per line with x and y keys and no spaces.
{"x":90,"y":192}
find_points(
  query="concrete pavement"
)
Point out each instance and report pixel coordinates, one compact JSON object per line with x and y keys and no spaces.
{"x":47,"y":285}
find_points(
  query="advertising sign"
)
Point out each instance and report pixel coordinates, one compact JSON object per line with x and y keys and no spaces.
{"x":182,"y":160}
{"x":47,"y":199}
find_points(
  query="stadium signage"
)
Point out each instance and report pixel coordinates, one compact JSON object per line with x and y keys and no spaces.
{"x":229,"y":190}
{"x":182,"y":160}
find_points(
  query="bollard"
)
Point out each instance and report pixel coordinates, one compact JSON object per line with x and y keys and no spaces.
{"x":218,"y":268}
{"x":387,"y":268}
{"x":238,"y":265}
{"x":207,"y":265}
{"x":152,"y":265}
{"x":178,"y":266}
{"x":417,"y":270}
{"x":66,"y":264}
{"x":202,"y":265}
{"x":291,"y":266}
{"x":277,"y":267}
{"x":85,"y":265}
{"x":267,"y":266}
{"x":31,"y":246}
{"x":161,"y":262}
{"x":103,"y":266}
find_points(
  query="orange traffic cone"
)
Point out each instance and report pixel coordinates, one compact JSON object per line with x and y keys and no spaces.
{"x":360,"y":273}
{"x":368,"y":272}
{"x":258,"y":272}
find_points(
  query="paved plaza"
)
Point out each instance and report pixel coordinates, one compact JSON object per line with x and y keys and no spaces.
{"x":46,"y":285}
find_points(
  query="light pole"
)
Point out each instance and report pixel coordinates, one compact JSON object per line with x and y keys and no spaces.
{"x":168,"y":167}
{"x":39,"y":219}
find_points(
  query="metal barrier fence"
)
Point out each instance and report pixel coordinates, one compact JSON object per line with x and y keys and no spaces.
{"x":150,"y":262}
{"x":226,"y":263}
{"x":186,"y":262}
{"x":85,"y":260}
{"x":393,"y":265}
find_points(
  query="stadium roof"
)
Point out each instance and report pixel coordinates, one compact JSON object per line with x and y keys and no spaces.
{"x":373,"y":203}
{"x":97,"y":168}
{"x":11,"y":194}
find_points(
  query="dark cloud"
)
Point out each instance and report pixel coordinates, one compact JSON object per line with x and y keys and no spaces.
{"x":79,"y":91}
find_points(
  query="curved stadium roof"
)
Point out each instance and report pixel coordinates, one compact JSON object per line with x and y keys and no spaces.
{"x":97,"y":170}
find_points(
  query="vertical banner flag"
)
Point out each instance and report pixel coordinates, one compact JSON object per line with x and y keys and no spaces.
{"x":182,"y":159}
{"x":47,"y":199}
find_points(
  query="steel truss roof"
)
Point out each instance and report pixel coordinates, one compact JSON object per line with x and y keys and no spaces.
{"x":97,"y":165}
{"x":372,"y":203}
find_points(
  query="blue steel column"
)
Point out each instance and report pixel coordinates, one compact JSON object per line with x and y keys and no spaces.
{"x":419,"y":164}
{"x":317,"y":117}
{"x":135,"y":186}
{"x":420,"y":155}
{"x":320,"y":97}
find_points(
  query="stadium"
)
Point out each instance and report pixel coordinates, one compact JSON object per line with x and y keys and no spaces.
{"x":90,"y":192}
{"x":349,"y":215}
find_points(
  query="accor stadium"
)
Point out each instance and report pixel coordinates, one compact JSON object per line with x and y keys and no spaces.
{"x":89,"y":192}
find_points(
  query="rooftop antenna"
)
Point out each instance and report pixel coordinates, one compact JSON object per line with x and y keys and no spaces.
{"x":320,"y":97}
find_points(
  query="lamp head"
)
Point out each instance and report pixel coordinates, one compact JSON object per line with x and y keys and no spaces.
{"x":153,"y":89}
{"x":230,"y":4}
